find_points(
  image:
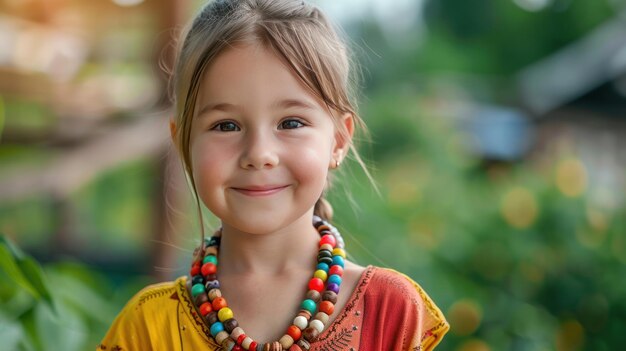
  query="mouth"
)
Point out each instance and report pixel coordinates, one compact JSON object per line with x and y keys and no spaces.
{"x":260,"y":190}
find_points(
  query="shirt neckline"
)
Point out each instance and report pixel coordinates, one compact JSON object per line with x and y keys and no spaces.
{"x":202,"y":328}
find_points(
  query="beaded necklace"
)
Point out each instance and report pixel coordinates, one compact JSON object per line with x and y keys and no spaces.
{"x":319,"y":302}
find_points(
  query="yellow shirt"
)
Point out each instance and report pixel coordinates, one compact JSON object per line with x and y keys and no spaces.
{"x":386,"y":311}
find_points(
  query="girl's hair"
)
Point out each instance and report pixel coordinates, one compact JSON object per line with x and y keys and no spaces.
{"x":296,"y":32}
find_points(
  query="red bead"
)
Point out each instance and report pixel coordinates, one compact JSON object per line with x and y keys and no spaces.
{"x":205,"y":308}
{"x":295,"y":347}
{"x":195,"y":270}
{"x":208,"y":268}
{"x":219,"y":303}
{"x":240,"y":338}
{"x":327,"y":307}
{"x":316,"y":284}
{"x":328,"y":239}
{"x":253,"y":346}
{"x":294,"y":332}
{"x":237,"y":348}
{"x":335,"y":269}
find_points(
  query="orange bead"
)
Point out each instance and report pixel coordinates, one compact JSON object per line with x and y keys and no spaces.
{"x":205,"y":308}
{"x":219,"y":303}
{"x":327,"y":307}
{"x":208,"y":268}
{"x":294,"y":332}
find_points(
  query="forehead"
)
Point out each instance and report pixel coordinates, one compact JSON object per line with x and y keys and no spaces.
{"x":252,"y":74}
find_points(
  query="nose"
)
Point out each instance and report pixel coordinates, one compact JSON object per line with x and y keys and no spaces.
{"x":258,"y":151}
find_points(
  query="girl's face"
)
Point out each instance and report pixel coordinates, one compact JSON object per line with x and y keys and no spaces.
{"x":261,"y":144}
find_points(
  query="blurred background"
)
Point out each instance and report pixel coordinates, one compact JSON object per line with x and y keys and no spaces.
{"x":498,"y":143}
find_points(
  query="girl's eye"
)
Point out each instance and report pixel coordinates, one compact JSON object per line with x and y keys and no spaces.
{"x":291,"y":124}
{"x":226,"y":127}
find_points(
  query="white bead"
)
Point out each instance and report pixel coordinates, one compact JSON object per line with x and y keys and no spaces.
{"x":286,"y":341}
{"x":236,"y":333}
{"x":300,"y":322}
{"x":246,"y":342}
{"x":317,"y":324}
{"x":322,"y":317}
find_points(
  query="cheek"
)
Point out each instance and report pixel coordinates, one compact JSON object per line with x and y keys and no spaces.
{"x":311,"y":164}
{"x":208,"y":163}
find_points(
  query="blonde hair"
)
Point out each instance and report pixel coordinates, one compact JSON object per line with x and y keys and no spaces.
{"x":297,"y":33}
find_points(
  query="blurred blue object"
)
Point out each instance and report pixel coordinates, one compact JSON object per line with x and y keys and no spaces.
{"x":500,"y":133}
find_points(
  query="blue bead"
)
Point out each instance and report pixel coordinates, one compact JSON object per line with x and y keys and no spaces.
{"x":334,"y":278}
{"x":197,"y":289}
{"x":323,"y":266}
{"x":216,"y":328}
{"x":338,"y":260}
{"x":212,"y":284}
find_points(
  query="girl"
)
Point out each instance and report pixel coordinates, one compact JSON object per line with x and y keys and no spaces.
{"x":263,"y":113}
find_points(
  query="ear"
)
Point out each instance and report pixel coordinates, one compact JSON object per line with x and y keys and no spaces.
{"x":343,"y":142}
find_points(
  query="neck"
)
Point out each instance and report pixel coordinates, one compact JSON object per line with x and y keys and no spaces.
{"x":289,"y":248}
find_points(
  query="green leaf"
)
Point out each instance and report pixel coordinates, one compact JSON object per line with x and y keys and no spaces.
{"x":35,"y":275}
{"x":10,"y":245}
{"x":9,"y":265}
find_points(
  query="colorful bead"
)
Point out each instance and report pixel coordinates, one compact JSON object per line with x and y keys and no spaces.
{"x":214,"y":293}
{"x":211,"y":318}
{"x":219,"y":338}
{"x":197,"y":279}
{"x":326,"y":260}
{"x":286,"y":341}
{"x":318,"y":325}
{"x":328,"y":239}
{"x":200,"y":299}
{"x":339,"y":252}
{"x":226,"y":313}
{"x":324,"y":253}
{"x":228,"y":344}
{"x":205,"y":308}
{"x":326,"y":307}
{"x":237,"y":348}
{"x":334,"y":278}
{"x":294,"y":331}
{"x":314,"y":295}
{"x":310,"y":334}
{"x":240,"y":339}
{"x":300,"y":322}
{"x":304,"y":344}
{"x":337,"y":270}
{"x":314,"y":284}
{"x":333,"y":287}
{"x":338,"y":260}
{"x":320,"y":273}
{"x":247,"y":341}
{"x":328,"y":247}
{"x":195,"y":269}
{"x":295,"y":347}
{"x":322,"y":317}
{"x":253,"y":346}
{"x":208,"y":268}
{"x":210,"y":258}
{"x":309,"y":305}
{"x":306,"y":314}
{"x":329,"y":296}
{"x":212,"y":284}
{"x":197,"y":290}
{"x":236,"y":333}
{"x":219,"y":303}
{"x":322,"y":266}
{"x":216,"y":328}
{"x":230,"y":324}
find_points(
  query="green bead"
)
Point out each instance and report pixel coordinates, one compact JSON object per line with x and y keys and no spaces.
{"x":309,"y":305}
{"x":210,"y":258}
{"x":197,"y":289}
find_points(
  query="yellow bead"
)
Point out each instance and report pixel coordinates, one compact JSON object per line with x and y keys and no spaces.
{"x":320,"y":273}
{"x":339,"y":252}
{"x":225,"y":314}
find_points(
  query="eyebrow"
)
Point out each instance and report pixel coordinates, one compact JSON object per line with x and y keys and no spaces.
{"x":285,"y":103}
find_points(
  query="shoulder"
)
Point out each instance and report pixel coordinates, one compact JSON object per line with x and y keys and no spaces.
{"x":400,"y":303}
{"x":144,"y":315}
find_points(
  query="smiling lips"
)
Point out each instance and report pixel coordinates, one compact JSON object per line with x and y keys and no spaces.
{"x":261,"y":190}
